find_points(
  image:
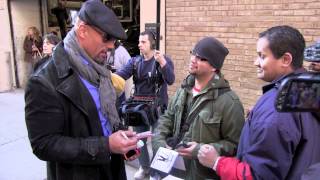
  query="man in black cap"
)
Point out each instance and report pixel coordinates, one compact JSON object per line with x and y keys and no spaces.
{"x":70,"y":110}
{"x":203,"y":110}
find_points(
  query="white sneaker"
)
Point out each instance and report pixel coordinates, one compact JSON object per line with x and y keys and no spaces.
{"x":141,"y":174}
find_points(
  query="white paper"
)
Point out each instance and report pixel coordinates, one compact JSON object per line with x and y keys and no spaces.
{"x":164,"y":160}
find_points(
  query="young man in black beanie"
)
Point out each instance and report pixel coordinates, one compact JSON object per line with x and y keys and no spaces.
{"x":203,"y":110}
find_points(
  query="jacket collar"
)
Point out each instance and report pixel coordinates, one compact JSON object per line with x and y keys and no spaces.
{"x":276,"y":83}
{"x":61,"y":61}
{"x":217,"y":82}
{"x":71,"y":86}
{"x":211,"y":91}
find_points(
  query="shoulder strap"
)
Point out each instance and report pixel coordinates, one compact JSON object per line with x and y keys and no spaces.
{"x":186,"y":125}
{"x":223,"y":90}
{"x":136,"y":73}
{"x":157,"y":78}
{"x":155,"y":74}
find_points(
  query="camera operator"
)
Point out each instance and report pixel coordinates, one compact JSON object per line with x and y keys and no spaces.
{"x":273,"y":145}
{"x":152,"y":72}
{"x":313,"y":172}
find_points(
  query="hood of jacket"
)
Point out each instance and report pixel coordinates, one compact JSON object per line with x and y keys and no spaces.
{"x":217,"y":82}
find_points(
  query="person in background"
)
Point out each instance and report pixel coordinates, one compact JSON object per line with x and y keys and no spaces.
{"x":203,"y":111}
{"x":273,"y":145}
{"x":70,"y":111}
{"x":32,"y":46}
{"x":49,"y":42}
{"x":62,"y":16}
{"x":312,"y":55}
{"x":117,"y":58}
{"x":152,"y":72}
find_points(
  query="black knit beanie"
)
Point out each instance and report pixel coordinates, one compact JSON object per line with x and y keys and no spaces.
{"x":212,"y":50}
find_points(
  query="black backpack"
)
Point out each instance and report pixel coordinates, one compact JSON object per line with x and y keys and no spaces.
{"x":143,"y":110}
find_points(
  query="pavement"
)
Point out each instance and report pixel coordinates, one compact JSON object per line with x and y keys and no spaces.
{"x":17,"y":161}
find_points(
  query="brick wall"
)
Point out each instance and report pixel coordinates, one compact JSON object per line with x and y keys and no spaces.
{"x":236,"y":23}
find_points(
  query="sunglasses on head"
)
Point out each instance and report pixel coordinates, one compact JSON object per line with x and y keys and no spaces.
{"x":192,"y":53}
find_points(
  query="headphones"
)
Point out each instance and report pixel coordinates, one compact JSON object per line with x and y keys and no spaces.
{"x":153,"y":38}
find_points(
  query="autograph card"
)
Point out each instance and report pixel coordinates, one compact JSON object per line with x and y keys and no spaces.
{"x":164,"y":160}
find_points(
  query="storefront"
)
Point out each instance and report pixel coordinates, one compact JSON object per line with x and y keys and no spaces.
{"x":44,"y":15}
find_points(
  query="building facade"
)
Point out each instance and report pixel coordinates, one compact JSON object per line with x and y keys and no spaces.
{"x":236,"y":23}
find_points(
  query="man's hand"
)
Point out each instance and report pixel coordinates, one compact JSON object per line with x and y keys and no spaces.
{"x":158,"y":56}
{"x":121,"y":142}
{"x":187,"y":152}
{"x":315,"y":66}
{"x":34,"y":48}
{"x":207,"y":155}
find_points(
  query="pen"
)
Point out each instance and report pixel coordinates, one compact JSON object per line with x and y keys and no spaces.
{"x":124,"y":135}
{"x":139,"y":143}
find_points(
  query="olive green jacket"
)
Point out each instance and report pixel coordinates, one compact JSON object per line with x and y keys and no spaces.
{"x":218,"y":120}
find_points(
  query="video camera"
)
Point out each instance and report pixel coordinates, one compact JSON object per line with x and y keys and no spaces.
{"x":301,"y":92}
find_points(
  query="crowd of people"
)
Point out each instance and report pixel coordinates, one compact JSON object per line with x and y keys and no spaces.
{"x":37,"y":48}
{"x":72,"y":108}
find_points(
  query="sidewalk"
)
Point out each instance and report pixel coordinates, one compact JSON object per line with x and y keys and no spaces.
{"x":16,"y":157}
{"x":17,"y":160}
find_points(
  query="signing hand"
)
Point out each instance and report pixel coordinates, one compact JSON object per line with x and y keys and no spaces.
{"x":122,"y":141}
{"x":207,"y":155}
{"x":187,"y":152}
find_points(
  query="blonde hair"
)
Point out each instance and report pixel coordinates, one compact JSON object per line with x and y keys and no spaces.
{"x":36,"y":33}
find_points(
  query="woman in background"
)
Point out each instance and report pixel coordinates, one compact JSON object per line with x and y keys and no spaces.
{"x":32,"y":46}
{"x":49,"y":42}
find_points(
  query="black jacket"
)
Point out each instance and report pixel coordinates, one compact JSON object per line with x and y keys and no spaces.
{"x":64,"y":127}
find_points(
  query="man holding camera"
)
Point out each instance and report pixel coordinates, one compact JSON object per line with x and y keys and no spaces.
{"x":273,"y":145}
{"x":70,"y":111}
{"x":152,"y":73}
{"x":203,"y":110}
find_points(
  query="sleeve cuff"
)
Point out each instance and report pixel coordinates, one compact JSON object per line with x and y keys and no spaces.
{"x":216,"y":164}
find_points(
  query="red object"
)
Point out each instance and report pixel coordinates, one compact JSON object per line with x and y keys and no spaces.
{"x":131,"y":153}
{"x":232,"y":169}
{"x":196,"y":89}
